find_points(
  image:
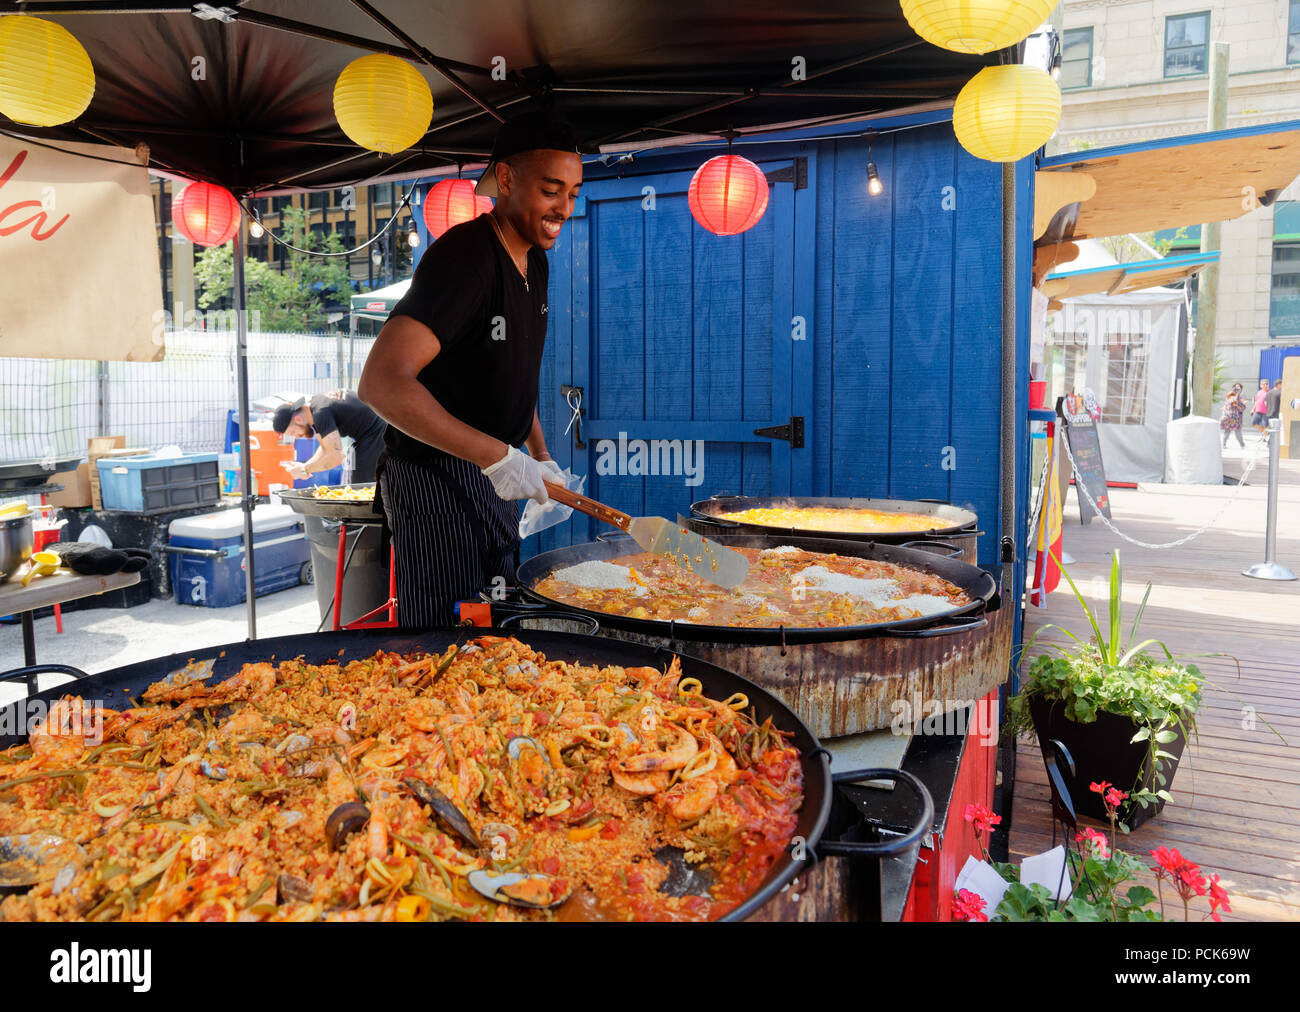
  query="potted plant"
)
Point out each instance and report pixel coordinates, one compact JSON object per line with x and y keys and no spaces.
{"x":1123,"y":714}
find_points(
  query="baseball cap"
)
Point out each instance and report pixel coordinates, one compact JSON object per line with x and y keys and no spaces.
{"x":284,"y":414}
{"x":531,"y":131}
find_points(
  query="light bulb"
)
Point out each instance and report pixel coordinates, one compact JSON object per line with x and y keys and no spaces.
{"x":256,"y":230}
{"x":376,"y":256}
{"x":413,"y":237}
{"x":874,"y":186}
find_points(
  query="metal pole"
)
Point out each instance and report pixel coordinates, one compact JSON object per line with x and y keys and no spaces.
{"x":1008,"y":499}
{"x":1269,"y":569}
{"x":247,"y":500}
{"x":1207,"y":285}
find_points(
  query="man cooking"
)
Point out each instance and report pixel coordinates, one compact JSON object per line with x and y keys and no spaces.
{"x":330,"y":417}
{"x":454,"y":371}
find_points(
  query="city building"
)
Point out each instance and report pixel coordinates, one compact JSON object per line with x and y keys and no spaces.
{"x":1136,"y":70}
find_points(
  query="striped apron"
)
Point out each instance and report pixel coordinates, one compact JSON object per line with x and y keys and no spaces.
{"x":451,"y":535}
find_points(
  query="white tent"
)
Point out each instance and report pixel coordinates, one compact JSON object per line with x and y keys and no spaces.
{"x":1126,"y":349}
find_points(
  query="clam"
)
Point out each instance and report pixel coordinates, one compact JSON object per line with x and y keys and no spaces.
{"x":518,"y":889}
{"x":293,"y":889}
{"x":212,"y":772}
{"x":22,"y":859}
{"x":345,"y":820}
{"x":293,"y":743}
{"x":444,"y":809}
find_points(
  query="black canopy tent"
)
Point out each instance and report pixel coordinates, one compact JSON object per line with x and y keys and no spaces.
{"x":241,"y":94}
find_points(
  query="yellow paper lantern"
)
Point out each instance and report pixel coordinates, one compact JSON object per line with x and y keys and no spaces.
{"x":383,"y":103}
{"x":46,"y":77}
{"x":1005,"y":113}
{"x":975,"y":26}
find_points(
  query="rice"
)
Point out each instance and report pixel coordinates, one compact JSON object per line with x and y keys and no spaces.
{"x":879,"y":592}
{"x":597,"y":576}
{"x":926,"y":604}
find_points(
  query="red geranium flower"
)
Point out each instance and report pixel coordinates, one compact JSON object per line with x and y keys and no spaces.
{"x":1099,"y":788}
{"x":1169,"y":860}
{"x":1100,"y":846}
{"x":968,"y":906}
{"x":1115,"y":797}
{"x":982,"y":818}
{"x":1218,"y":898}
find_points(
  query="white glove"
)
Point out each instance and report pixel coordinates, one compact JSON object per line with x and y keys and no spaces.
{"x":552,"y":471}
{"x":296,"y":469}
{"x":517,"y":476}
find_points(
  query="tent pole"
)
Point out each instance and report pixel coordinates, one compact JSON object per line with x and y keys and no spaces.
{"x":247,"y":500}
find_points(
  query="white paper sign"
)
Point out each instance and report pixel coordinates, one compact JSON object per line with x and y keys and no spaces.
{"x":78,"y":254}
{"x":1048,"y":870}
{"x":981,"y":878}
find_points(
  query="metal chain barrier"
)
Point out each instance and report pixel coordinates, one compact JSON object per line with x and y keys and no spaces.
{"x":1082,"y":488}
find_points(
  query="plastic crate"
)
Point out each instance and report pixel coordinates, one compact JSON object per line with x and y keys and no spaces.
{"x":207,"y":555}
{"x":159,"y":484}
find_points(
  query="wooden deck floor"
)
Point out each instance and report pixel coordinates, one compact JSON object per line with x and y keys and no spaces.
{"x":1236,"y":807}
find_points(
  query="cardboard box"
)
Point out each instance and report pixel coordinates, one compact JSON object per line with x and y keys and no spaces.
{"x":76,"y":488}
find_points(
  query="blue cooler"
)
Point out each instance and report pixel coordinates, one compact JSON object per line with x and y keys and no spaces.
{"x":207,"y":555}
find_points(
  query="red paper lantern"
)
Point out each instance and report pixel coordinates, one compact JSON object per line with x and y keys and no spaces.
{"x":207,"y":215}
{"x":452,"y":202}
{"x":728,"y":195}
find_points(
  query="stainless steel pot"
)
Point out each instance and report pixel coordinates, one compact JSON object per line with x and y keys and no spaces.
{"x":17,"y":539}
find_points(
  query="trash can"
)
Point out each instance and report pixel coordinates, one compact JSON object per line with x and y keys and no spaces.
{"x":365,"y":582}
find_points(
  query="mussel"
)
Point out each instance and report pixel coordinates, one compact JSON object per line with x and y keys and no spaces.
{"x":345,"y":820}
{"x":444,"y":809}
{"x":517,"y":744}
{"x":22,"y":859}
{"x":518,"y":889}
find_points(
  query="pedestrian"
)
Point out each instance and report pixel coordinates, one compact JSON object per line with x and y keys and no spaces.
{"x":329,"y":417}
{"x":1259,"y":416}
{"x":1230,"y":420}
{"x":1273,"y":402}
{"x":455,"y":372}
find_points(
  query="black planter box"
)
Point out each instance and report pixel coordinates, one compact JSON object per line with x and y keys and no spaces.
{"x":1103,"y":750}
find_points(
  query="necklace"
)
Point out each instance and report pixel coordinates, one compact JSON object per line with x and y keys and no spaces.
{"x":522,"y":270}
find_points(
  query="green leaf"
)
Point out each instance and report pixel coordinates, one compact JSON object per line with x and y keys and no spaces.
{"x":1137,"y":619}
{"x":1165,"y":737}
{"x":1143,"y":734}
{"x":1112,"y":649}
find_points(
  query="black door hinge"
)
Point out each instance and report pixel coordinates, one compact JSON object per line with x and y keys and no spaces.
{"x":796,"y":173}
{"x":791,"y":432}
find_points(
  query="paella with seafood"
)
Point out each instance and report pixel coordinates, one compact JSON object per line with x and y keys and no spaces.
{"x":484,"y":783}
{"x":786,"y":586}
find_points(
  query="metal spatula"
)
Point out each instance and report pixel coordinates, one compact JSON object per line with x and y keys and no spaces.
{"x":706,"y":559}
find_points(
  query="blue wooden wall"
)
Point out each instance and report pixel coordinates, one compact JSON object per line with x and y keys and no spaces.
{"x":678,"y":334}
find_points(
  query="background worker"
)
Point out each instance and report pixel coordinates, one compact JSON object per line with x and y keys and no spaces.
{"x":454,"y":371}
{"x":329,"y":417}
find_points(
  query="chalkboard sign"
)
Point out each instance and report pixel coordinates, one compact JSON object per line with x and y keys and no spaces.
{"x":1085,"y":447}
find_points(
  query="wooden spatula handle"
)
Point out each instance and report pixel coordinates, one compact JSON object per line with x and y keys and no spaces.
{"x":588,"y":506}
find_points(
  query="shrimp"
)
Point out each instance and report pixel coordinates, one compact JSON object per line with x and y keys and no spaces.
{"x":63,"y":735}
{"x":469,"y":779}
{"x":643,"y":784}
{"x":690,"y":799}
{"x":680,"y":750}
{"x":377,"y":835}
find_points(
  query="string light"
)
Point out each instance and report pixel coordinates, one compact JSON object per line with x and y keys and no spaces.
{"x":413,"y":236}
{"x":874,"y":186}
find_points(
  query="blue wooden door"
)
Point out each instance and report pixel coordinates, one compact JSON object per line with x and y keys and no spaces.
{"x":683,"y":344}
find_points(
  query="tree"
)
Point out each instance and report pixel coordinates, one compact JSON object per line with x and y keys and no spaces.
{"x":295,"y":299}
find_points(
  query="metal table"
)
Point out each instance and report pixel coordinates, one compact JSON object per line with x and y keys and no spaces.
{"x":44,"y":591}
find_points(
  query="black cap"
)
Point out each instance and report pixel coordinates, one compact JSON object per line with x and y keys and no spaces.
{"x":531,"y":131}
{"x":284,"y":414}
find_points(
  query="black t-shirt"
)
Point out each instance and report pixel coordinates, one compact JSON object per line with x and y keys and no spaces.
{"x":349,"y":416}
{"x":491,"y":329}
{"x":1273,"y":401}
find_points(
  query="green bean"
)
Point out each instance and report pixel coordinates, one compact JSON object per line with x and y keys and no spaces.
{"x":208,"y":813}
{"x":428,"y":855}
{"x":10,"y":784}
{"x":447,"y":907}
{"x":256,"y":894}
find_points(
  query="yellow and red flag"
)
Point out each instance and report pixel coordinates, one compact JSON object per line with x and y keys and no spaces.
{"x":1047,"y":573}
